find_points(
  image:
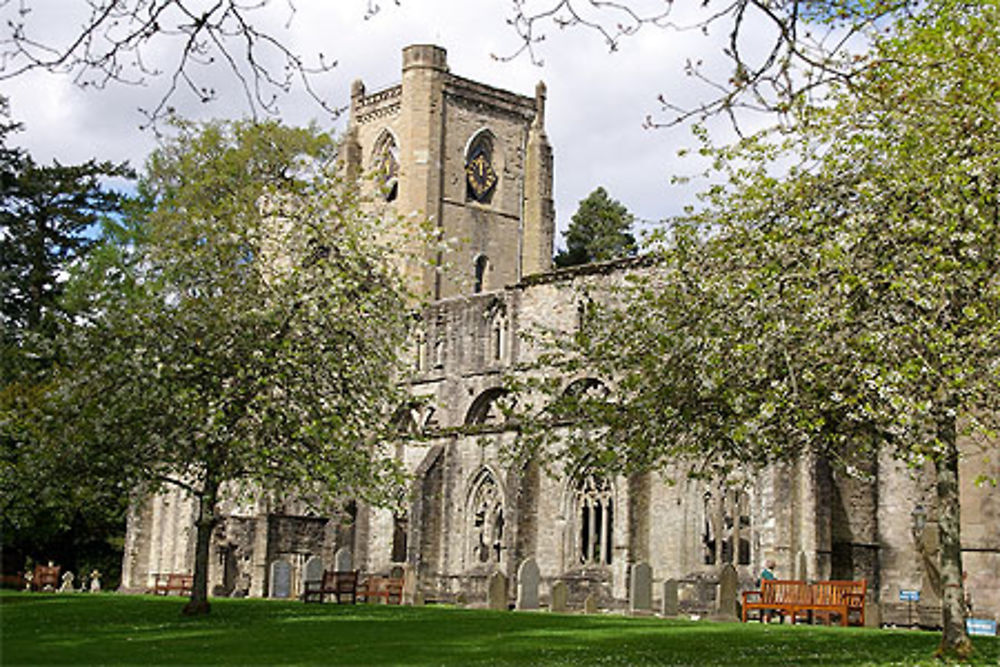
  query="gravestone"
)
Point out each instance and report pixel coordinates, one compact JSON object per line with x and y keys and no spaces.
{"x":342,"y":560}
{"x":670,"y":602}
{"x":497,"y":595}
{"x":729,"y":583}
{"x":312,"y":572}
{"x":640,"y":590}
{"x":559,"y":595}
{"x":527,"y":585}
{"x":590,"y":604}
{"x":281,"y":579}
{"x":83,"y":583}
{"x":67,"y":583}
{"x":95,"y":582}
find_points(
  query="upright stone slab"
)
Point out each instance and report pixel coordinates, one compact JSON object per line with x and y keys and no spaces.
{"x":312,"y":572}
{"x":281,"y":579}
{"x":729,"y":583}
{"x":497,"y":595}
{"x":802,"y":568}
{"x":640,"y":590}
{"x":342,"y":560}
{"x":559,"y":595}
{"x":67,"y":583}
{"x":590,"y":604}
{"x":527,"y":585}
{"x":670,"y":602}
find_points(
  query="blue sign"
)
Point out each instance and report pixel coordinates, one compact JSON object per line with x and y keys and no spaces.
{"x":981,"y":626}
{"x":909,"y":596}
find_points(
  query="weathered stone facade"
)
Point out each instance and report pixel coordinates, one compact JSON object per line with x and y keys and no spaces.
{"x":469,"y":515}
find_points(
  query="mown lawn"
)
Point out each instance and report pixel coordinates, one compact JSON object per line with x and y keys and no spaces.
{"x":112,"y":629}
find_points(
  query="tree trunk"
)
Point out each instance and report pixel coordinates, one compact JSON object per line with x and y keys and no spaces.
{"x":954,"y":641}
{"x":198,"y":605}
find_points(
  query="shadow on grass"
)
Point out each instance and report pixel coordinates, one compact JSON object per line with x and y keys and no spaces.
{"x":110,"y":629}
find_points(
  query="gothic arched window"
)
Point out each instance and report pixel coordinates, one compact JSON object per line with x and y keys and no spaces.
{"x":595,"y":517}
{"x":479,"y":279}
{"x":385,"y":165}
{"x":486,"y":520}
{"x":726,"y":536}
{"x":480,"y":176}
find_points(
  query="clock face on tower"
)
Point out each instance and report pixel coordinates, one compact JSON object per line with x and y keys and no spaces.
{"x":479,"y":174}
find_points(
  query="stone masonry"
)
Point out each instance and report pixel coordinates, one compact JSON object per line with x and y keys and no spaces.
{"x":475,"y":161}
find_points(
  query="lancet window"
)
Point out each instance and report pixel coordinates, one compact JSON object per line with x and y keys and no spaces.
{"x":487,"y":520}
{"x":726,"y":533}
{"x":595,"y":517}
{"x":386,"y":165}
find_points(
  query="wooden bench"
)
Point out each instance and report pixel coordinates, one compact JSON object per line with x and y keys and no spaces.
{"x":46,"y":576}
{"x":341,"y":585}
{"x":844,"y":598}
{"x":389,"y":589}
{"x":172,"y":582}
{"x":808,"y":602}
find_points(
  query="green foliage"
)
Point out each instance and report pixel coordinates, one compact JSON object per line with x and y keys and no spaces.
{"x":48,"y":220}
{"x":232,"y":344}
{"x":598,"y":231}
{"x":850,"y":305}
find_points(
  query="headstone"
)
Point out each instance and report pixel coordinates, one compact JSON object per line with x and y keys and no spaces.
{"x":590,"y":604}
{"x":560,"y":593}
{"x":671,"y":602}
{"x":342,"y":560}
{"x":873,"y":614}
{"x":28,"y":578}
{"x":83,"y":584}
{"x":313,"y":571}
{"x":527,"y":585}
{"x":95,"y":582}
{"x":640,"y":591}
{"x":728,"y":584}
{"x":67,"y":583}
{"x":497,"y":595}
{"x":281,"y":579}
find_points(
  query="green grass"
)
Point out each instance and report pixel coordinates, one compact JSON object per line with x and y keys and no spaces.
{"x":112,"y":629}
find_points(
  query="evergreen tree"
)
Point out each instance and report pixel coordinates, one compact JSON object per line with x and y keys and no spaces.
{"x":600,"y":230}
{"x":48,"y":221}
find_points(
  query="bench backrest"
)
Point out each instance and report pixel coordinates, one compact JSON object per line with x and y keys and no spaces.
{"x":340,"y":581}
{"x":180,"y":581}
{"x":838,"y":592}
{"x":46,"y":575}
{"x":785,"y":591}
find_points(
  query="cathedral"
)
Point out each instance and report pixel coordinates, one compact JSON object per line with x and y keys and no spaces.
{"x":475,"y":160}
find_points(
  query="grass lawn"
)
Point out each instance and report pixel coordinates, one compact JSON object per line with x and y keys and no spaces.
{"x":113,"y":629}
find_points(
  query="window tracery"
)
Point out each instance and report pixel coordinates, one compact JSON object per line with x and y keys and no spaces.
{"x":487,"y":521}
{"x":386,"y":165}
{"x":595,"y":520}
{"x":726,"y":533}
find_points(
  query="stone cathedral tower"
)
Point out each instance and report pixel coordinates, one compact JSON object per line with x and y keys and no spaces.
{"x":474,"y":162}
{"x":471,"y":159}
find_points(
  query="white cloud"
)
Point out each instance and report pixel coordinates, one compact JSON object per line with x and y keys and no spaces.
{"x":597,"y":100}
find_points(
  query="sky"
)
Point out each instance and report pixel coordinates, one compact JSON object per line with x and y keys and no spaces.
{"x":597,"y":100}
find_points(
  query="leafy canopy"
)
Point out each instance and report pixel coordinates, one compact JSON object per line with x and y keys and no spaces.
{"x":598,"y":231}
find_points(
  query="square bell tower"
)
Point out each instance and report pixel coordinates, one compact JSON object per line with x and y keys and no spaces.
{"x":470,"y":159}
